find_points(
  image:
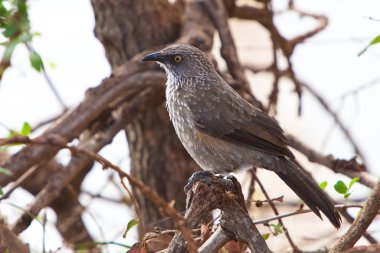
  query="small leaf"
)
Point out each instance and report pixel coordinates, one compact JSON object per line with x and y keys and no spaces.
{"x":277,"y":228}
{"x":5,"y":171}
{"x":347,"y":195}
{"x":1,"y":191}
{"x":36,"y":61}
{"x":340,"y":187}
{"x":26,"y":129}
{"x":265,"y":236}
{"x":10,"y":30}
{"x":352,"y":182}
{"x":130,"y":225}
{"x":373,"y":42}
{"x":323,"y":185}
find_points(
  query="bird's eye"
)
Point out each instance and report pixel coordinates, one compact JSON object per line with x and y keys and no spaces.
{"x":177,"y":59}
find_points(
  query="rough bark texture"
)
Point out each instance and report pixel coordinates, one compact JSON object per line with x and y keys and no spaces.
{"x":157,"y":156}
{"x":128,"y":27}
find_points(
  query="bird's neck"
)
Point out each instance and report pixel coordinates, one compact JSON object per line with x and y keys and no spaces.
{"x":187,"y":83}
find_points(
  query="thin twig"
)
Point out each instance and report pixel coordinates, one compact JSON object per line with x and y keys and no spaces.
{"x":49,"y":81}
{"x":350,"y":168}
{"x":48,"y":121}
{"x":362,"y":87}
{"x":301,"y":211}
{"x":19,"y":182}
{"x":274,"y":208}
{"x":336,"y":118}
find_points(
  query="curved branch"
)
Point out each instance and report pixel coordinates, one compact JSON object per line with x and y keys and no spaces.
{"x":97,"y":100}
{"x":60,"y":180}
{"x":359,"y":226}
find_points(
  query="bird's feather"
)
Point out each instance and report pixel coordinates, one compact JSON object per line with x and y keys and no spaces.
{"x":228,"y":116}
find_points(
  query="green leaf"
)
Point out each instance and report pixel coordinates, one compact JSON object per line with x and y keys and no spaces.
{"x":347,"y":195}
{"x":277,"y":228}
{"x":265,"y":236}
{"x":36,"y":61}
{"x":5,"y":171}
{"x":352,"y":182}
{"x":26,"y":129}
{"x":340,"y":187}
{"x":373,"y":42}
{"x":130,"y":225}
{"x":323,"y":185}
{"x":10,"y":30}
{"x":1,"y":191}
{"x":3,"y":10}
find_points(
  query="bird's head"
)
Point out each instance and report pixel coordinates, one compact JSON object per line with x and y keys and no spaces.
{"x":181,"y":61}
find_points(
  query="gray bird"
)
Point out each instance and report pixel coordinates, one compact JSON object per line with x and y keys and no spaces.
{"x":223,"y":132}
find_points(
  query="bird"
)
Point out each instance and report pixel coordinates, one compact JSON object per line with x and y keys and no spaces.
{"x":225,"y":133}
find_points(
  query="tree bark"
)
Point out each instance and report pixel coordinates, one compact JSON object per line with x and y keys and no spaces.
{"x":127,"y":27}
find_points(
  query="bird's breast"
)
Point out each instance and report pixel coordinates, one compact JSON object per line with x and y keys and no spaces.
{"x":209,"y":152}
{"x":179,"y":110}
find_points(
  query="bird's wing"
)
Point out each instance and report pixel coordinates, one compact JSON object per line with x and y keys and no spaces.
{"x":228,"y":116}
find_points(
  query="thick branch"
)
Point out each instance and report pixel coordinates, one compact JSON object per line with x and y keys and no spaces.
{"x":361,"y":223}
{"x":60,"y":180}
{"x":225,"y":194}
{"x":97,"y":100}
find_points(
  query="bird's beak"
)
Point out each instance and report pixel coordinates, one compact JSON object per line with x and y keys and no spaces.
{"x":154,"y":57}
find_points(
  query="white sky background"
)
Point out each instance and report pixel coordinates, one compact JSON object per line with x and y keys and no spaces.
{"x":328,"y":62}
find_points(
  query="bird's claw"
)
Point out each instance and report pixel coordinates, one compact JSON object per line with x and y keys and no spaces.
{"x":203,"y":175}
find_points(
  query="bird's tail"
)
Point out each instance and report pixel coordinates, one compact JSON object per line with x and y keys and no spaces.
{"x":308,"y":190}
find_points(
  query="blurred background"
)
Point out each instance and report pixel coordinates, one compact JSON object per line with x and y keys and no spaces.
{"x":75,"y":61}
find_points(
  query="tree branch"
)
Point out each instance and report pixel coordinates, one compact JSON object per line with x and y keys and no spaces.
{"x":10,"y":241}
{"x":361,"y":223}
{"x":350,"y":168}
{"x":97,"y":100}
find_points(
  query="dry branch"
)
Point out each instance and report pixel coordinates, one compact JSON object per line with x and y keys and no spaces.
{"x":361,"y":223}
{"x":97,"y":100}
{"x":10,"y":241}
{"x":58,"y":181}
{"x":83,"y":154}
{"x":350,"y":168}
{"x":274,"y":208}
{"x":224,"y":194}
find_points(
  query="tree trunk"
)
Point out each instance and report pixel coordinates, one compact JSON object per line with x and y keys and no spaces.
{"x":127,"y":27}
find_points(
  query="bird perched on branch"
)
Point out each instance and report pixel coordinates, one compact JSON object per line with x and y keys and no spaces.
{"x":225,"y":133}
